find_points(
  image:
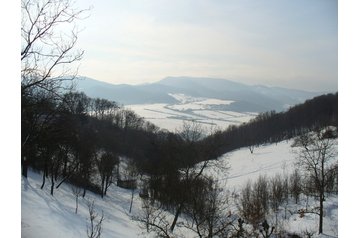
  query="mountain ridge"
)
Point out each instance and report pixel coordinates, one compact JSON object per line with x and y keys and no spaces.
{"x":257,"y":98}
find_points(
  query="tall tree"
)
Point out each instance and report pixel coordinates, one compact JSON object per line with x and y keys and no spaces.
{"x":47,"y":51}
{"x":316,"y":154}
{"x":105,"y":164}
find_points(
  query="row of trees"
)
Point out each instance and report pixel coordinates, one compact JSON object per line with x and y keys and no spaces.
{"x":75,"y":136}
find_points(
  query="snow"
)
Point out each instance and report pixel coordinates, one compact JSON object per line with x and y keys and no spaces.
{"x":43,"y":215}
{"x":189,"y":100}
{"x":265,"y":160}
{"x":201,"y":110}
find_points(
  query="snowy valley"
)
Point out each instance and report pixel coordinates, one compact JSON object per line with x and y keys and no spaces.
{"x":206,"y":111}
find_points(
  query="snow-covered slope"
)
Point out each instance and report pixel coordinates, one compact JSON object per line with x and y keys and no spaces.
{"x":46,"y":216}
{"x":265,"y":160}
{"x":269,"y":160}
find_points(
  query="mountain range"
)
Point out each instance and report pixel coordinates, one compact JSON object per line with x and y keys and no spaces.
{"x":254,"y":98}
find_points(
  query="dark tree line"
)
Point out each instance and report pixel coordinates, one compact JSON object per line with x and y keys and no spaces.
{"x":273,"y":127}
{"x":72,"y":137}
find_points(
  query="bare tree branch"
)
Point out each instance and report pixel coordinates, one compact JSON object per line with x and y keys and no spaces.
{"x":47,"y":50}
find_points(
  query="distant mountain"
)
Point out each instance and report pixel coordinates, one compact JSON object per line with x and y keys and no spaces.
{"x":246,"y":97}
{"x":124,"y":93}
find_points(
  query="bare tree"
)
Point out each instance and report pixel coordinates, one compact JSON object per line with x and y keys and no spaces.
{"x":105,"y":164}
{"x":132,"y":175}
{"x":47,"y":48}
{"x":208,"y":213}
{"x":94,"y":228}
{"x":276,"y":193}
{"x":48,"y":38}
{"x":191,"y":131}
{"x":295,"y":185}
{"x":254,"y":201}
{"x":76,"y":191}
{"x":103,"y":109}
{"x":315,"y":157}
{"x":196,"y":157}
{"x":153,"y":218}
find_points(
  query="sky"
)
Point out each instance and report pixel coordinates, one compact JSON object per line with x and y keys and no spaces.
{"x":276,"y":43}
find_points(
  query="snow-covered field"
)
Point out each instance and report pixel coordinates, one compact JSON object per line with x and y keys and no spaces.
{"x":43,"y":215}
{"x":266,"y":160}
{"x":202,"y":110}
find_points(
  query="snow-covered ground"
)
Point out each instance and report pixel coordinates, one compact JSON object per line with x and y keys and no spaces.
{"x":45,"y":216}
{"x":265,"y":160}
{"x":202,"y":110}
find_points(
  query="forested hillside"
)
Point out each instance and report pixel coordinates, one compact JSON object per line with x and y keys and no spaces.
{"x":272,"y":127}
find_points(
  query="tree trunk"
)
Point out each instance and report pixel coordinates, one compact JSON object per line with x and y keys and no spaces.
{"x":321,"y":199}
{"x":106,"y":185}
{"x":176,"y":217}
{"x":43,"y":179}
{"x":321,"y":195}
{"x":24,"y":170}
{"x":210,"y":235}
{"x":52,"y":182}
{"x":24,"y":166}
{"x":44,"y":175}
{"x":130,"y":207}
{"x":69,"y":174}
{"x":102,"y":186}
{"x":64,"y":171}
{"x":56,"y":167}
{"x":85,"y":179}
{"x":76,"y":203}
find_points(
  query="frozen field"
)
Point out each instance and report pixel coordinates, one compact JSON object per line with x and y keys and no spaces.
{"x":202,"y":110}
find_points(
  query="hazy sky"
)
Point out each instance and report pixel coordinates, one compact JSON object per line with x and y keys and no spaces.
{"x":272,"y":42}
